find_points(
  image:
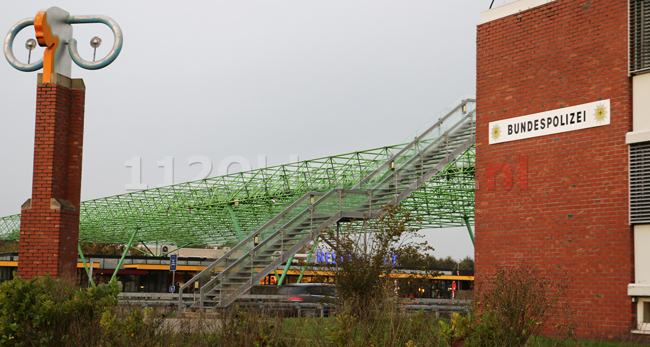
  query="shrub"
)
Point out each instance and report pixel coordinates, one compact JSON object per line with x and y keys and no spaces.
{"x":382,"y":323}
{"x":45,"y":311}
{"x":515,"y":304}
{"x":248,"y":327}
{"x":365,"y":252}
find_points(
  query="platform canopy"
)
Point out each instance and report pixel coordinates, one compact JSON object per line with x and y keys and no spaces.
{"x":225,"y":209}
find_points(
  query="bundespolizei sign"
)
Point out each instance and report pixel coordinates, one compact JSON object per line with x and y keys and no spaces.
{"x":572,"y":118}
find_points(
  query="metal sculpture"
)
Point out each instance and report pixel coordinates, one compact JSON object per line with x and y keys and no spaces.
{"x":49,"y":222}
{"x":54,"y":31}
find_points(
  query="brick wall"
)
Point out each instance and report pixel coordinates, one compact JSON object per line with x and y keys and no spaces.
{"x":571,"y":216}
{"x":50,"y":228}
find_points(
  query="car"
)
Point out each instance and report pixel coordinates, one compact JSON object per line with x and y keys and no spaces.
{"x":323,"y":295}
{"x":309,"y":292}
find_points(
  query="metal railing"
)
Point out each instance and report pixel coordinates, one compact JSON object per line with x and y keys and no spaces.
{"x":300,"y":223}
{"x":280,"y":303}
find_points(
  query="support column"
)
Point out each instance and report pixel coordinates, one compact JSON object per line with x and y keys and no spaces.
{"x":83,"y":260}
{"x":286,"y":269}
{"x":469,"y":229}
{"x":302,"y":272}
{"x":49,"y":225}
{"x":126,"y":250}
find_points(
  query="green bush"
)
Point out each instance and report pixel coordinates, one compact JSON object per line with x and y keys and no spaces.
{"x":45,"y":311}
{"x":382,"y":323}
{"x":519,"y":302}
{"x":365,"y":259}
{"x":132,"y":327}
{"x":511,"y":306}
{"x":247,"y":327}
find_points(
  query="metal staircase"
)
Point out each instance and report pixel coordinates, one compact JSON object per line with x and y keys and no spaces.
{"x":299,"y":224}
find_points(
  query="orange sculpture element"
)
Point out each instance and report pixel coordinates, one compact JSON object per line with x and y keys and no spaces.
{"x":46,"y":38}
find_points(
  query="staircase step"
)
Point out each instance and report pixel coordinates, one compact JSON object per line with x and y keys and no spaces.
{"x":391,"y":184}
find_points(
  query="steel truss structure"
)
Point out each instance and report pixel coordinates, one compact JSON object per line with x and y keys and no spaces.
{"x":226,"y":209}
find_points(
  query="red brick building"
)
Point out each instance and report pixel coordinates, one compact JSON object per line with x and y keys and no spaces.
{"x":561,"y":104}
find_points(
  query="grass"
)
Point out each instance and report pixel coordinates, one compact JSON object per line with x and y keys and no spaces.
{"x":50,"y":312}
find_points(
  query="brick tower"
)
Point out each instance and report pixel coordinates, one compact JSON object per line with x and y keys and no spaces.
{"x":49,"y":224}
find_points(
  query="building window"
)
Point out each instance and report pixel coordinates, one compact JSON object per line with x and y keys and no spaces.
{"x":642,"y":316}
{"x":640,"y":183}
{"x":639,"y":36}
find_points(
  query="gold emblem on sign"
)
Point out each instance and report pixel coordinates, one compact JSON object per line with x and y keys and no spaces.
{"x":600,"y":114}
{"x":495,"y":132}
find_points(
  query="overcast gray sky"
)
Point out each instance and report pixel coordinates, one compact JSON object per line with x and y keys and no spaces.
{"x":246,"y":78}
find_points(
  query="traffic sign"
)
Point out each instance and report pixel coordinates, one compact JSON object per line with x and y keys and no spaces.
{"x":173,"y":259}
{"x":172,"y":289}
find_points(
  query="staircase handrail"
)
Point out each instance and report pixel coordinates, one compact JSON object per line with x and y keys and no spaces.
{"x":412,"y":143}
{"x":434,"y":142}
{"x":340,"y":190}
{"x":324,"y":196}
{"x":263,"y":242}
{"x":283,"y":227}
{"x":249,"y":238}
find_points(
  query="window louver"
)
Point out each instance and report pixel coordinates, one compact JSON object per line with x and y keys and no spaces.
{"x":640,"y":183}
{"x":639,"y":36}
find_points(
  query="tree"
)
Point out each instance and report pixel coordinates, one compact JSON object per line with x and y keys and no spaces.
{"x":8,"y":246}
{"x":447,"y":263}
{"x":368,"y":252}
{"x":467,"y":264}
